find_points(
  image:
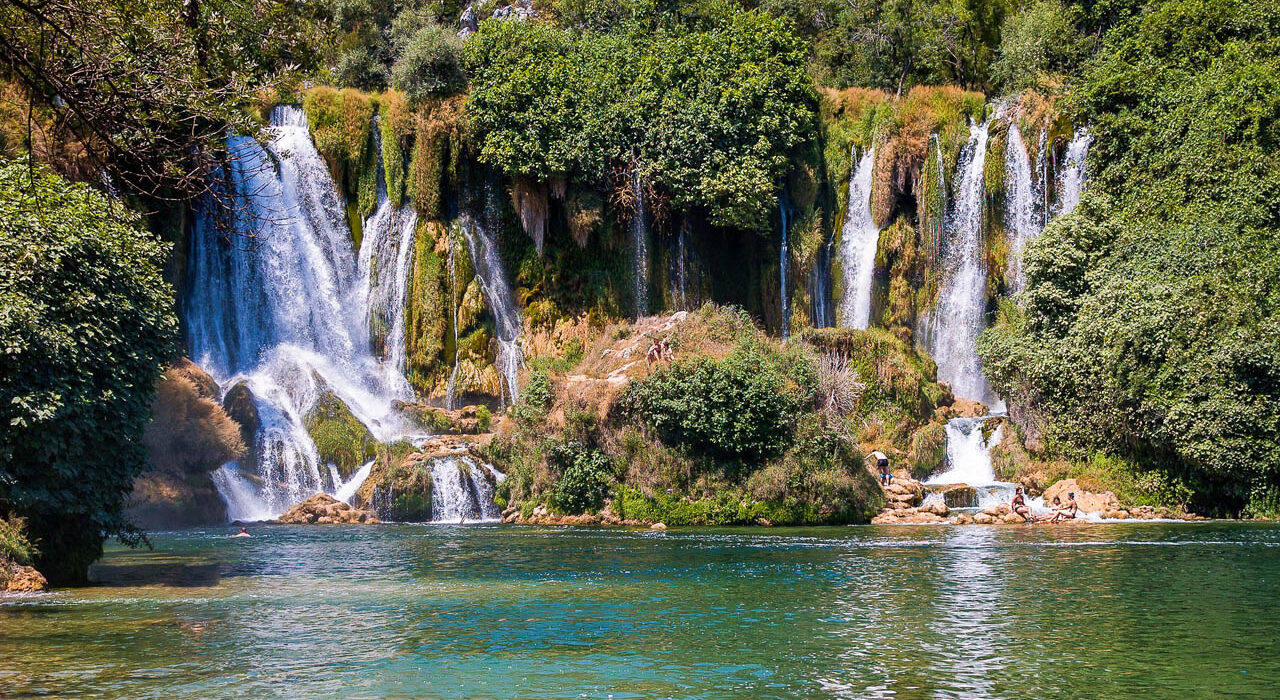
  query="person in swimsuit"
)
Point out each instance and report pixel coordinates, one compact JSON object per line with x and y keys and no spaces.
{"x":244,"y":532}
{"x":1053,"y":514}
{"x":1019,"y":505}
{"x":1068,"y":511}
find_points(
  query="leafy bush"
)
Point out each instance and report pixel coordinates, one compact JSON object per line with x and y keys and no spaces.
{"x":14,"y":545}
{"x":711,"y":111}
{"x":1040,"y":39}
{"x":1150,"y":329}
{"x":429,"y":65}
{"x":586,"y":476}
{"x":742,"y":408}
{"x":535,"y":397}
{"x":86,"y":325}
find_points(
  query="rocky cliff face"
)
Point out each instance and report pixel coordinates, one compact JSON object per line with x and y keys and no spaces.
{"x":189,"y":436}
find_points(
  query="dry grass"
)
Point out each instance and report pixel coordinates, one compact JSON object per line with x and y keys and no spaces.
{"x":189,"y":433}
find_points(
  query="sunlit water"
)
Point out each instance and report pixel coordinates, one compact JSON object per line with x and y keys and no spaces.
{"x":1156,"y":610}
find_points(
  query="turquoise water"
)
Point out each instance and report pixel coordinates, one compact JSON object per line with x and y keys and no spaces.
{"x":1165,"y":610}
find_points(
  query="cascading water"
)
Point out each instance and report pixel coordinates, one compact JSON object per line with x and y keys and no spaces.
{"x":1021,"y":215}
{"x":279,"y":302}
{"x":462,"y":490}
{"x":952,"y":328}
{"x":858,"y":242}
{"x":1071,"y":181}
{"x":502,"y":304}
{"x":785,"y":224}
{"x":640,"y":245}
{"x":820,"y":286}
{"x":969,"y":460}
{"x":682,"y":272}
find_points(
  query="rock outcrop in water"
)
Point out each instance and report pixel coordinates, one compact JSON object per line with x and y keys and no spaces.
{"x":323,"y":509}
{"x":190,"y":435}
{"x":17,"y":578}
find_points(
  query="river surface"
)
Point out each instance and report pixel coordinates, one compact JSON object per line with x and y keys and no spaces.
{"x":1109,"y":611}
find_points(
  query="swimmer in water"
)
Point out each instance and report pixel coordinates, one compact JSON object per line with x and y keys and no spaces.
{"x":244,"y":532}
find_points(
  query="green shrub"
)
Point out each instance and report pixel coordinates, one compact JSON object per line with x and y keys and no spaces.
{"x":484,"y":419}
{"x":743,"y":407}
{"x":535,"y":397}
{"x":14,"y":545}
{"x":586,"y":475}
{"x":429,"y":65}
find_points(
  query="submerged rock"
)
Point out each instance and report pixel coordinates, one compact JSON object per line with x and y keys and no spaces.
{"x":958,"y":495}
{"x":323,"y":509}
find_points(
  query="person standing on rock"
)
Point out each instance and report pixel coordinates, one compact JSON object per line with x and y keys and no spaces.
{"x":882,"y":463}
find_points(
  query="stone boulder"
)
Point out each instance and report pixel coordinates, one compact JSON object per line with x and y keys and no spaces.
{"x":323,"y":509}
{"x":17,"y":578}
{"x":958,"y":495}
{"x":468,"y":420}
{"x":189,"y":436}
{"x":1088,"y":501}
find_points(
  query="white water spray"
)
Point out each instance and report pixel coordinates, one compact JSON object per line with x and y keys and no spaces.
{"x":858,"y":242}
{"x":502,"y":304}
{"x":1022,"y":217}
{"x":1071,"y":181}
{"x":953,"y":327}
{"x":279,"y":302}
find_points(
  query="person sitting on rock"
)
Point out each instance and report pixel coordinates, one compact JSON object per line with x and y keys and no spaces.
{"x":1068,"y":511}
{"x":1053,"y":511}
{"x":882,"y":463}
{"x":1019,"y":505}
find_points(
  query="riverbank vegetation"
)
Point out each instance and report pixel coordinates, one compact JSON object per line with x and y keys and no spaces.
{"x":716,"y":137}
{"x":728,"y":427}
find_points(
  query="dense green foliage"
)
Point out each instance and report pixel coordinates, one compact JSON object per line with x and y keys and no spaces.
{"x":340,"y":438}
{"x":86,"y":323}
{"x":710,"y":115}
{"x":1150,"y":327}
{"x":743,"y":407}
{"x":586,"y":477}
{"x":429,"y":65}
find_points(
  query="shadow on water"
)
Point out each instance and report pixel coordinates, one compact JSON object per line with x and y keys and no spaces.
{"x":179,"y":575}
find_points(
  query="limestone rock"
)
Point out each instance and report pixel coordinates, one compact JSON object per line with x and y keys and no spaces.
{"x":323,"y":509}
{"x":984,"y":518}
{"x":1088,"y":502}
{"x":22,"y":579}
{"x":958,"y":495}
{"x":658,"y":526}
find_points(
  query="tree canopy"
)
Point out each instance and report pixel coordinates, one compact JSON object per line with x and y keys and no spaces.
{"x":86,"y":324}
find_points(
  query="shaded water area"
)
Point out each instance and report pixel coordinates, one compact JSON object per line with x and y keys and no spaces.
{"x":486,"y":611}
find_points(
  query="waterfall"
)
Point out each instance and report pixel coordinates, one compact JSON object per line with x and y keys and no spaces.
{"x":640,"y":245}
{"x":1021,"y":215}
{"x":785,"y":224}
{"x":451,"y":389}
{"x":969,"y":461}
{"x":820,"y":286}
{"x":462,"y":490}
{"x":279,"y":302}
{"x":1071,"y":181}
{"x":385,"y":255}
{"x":682,"y":272}
{"x":952,"y":328}
{"x":502,"y":304}
{"x":858,"y":242}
